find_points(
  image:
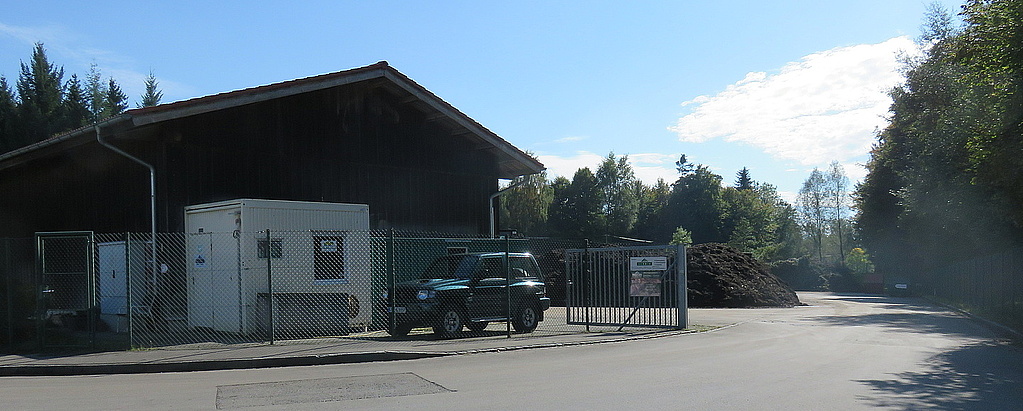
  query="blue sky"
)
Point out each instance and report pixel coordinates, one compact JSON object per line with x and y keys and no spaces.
{"x":779,"y":87}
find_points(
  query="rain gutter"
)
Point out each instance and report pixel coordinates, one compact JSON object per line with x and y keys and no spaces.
{"x":152,"y":194}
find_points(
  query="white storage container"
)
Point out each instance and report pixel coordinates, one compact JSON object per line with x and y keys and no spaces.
{"x":320,"y":271}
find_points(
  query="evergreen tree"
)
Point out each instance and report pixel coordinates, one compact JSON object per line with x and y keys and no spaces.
{"x":76,"y":105}
{"x":743,"y":181}
{"x":116,"y":101}
{"x":41,"y":92}
{"x":152,"y":95}
{"x":10,"y":137}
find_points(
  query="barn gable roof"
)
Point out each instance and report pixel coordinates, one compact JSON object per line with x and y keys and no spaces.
{"x":512,"y":161}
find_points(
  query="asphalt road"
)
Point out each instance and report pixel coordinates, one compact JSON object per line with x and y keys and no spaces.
{"x":841,"y":352}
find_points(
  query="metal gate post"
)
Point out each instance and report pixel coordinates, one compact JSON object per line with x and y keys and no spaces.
{"x":682,"y":298}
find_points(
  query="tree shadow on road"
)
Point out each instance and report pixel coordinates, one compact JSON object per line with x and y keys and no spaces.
{"x":983,"y":376}
{"x":980,"y":373}
{"x":906,"y":315}
{"x":886,"y":301}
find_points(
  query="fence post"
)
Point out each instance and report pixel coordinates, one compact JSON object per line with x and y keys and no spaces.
{"x":270,"y":284}
{"x":129,"y":290}
{"x":390,"y":281}
{"x":93,"y":291}
{"x":508,"y":285}
{"x":586,"y":282}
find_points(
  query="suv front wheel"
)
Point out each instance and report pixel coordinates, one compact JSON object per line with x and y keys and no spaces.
{"x":449,"y":323}
{"x":526,"y":319}
{"x":400,"y":330}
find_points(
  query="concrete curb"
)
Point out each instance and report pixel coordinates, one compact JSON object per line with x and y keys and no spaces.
{"x":293,"y":361}
{"x":209,"y":365}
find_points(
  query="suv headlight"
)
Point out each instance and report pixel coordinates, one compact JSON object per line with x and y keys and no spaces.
{"x":426,"y":294}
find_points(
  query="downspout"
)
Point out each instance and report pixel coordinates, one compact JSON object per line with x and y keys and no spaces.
{"x":152,"y":202}
{"x":490,"y":201}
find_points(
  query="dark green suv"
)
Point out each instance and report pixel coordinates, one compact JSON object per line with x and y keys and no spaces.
{"x":470,"y":290}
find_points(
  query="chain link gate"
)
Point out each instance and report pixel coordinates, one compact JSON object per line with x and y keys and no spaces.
{"x":641,"y":286}
{"x":67,"y":289}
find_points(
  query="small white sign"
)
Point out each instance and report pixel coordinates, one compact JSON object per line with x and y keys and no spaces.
{"x":648,"y":263}
{"x":328,"y":246}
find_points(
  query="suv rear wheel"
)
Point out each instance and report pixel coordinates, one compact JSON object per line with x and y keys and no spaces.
{"x":449,"y":323}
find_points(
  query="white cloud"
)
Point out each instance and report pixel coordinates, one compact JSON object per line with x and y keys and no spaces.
{"x":824,"y":107}
{"x":651,"y":166}
{"x":570,"y":139}
{"x":567,"y":166}
{"x":30,"y":35}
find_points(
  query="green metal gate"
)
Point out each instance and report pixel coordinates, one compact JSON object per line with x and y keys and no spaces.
{"x":641,"y":286}
{"x":66,"y":313}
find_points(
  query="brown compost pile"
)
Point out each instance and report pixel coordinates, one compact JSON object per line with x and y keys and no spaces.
{"x":720,"y":276}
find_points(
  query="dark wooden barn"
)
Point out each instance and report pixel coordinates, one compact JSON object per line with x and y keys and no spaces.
{"x":367,"y":135}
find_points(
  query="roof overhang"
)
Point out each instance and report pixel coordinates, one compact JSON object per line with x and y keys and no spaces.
{"x":512,"y":162}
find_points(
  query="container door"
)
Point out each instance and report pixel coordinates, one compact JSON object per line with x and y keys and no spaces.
{"x":200,"y":281}
{"x":224,"y":265}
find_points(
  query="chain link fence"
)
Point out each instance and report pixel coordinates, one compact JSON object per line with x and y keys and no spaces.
{"x":990,"y":286}
{"x":17,"y":279}
{"x":215,"y":289}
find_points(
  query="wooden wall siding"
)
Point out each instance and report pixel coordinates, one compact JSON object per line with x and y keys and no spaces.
{"x":355,"y":144}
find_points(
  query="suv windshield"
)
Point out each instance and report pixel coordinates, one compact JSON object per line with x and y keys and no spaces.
{"x":449,"y":267}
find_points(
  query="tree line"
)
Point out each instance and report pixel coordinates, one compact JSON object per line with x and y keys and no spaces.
{"x":945,"y":179}
{"x":43,"y":103}
{"x":612,"y":205}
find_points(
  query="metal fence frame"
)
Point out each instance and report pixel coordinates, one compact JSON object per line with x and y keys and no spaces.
{"x":599,"y":281}
{"x":67,"y":288}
